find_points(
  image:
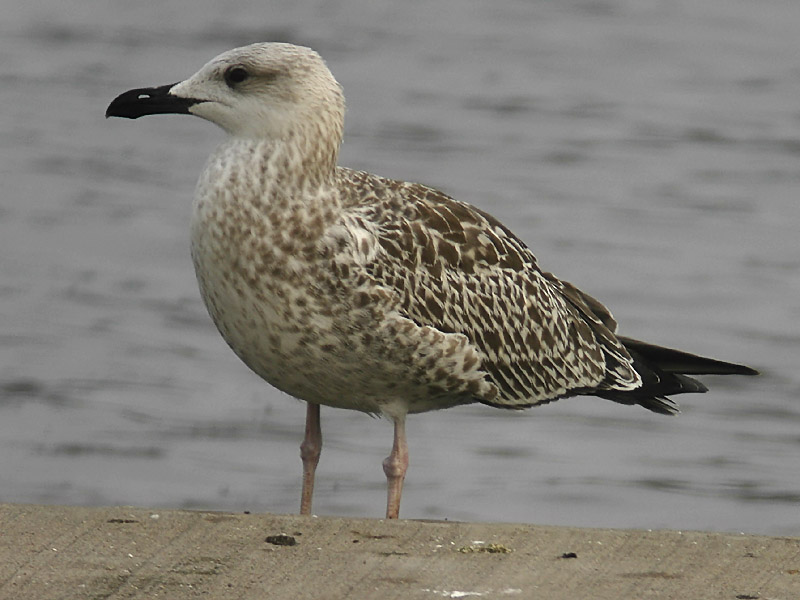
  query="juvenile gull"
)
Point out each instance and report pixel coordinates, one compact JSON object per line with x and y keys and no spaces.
{"x":347,"y":289}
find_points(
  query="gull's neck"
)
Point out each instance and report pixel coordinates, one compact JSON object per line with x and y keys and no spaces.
{"x":286,"y":185}
{"x":301,"y":158}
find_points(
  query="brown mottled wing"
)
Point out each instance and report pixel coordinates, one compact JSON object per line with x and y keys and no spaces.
{"x":459,"y":270}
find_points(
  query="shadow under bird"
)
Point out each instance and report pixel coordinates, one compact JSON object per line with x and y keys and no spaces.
{"x":351,"y":290}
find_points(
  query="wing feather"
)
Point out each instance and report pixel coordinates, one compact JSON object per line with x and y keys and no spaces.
{"x":459,"y":270}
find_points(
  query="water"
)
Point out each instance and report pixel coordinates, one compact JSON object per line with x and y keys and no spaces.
{"x":646,"y":151}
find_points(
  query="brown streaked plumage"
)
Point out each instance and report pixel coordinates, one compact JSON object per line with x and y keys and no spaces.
{"x":347,"y":289}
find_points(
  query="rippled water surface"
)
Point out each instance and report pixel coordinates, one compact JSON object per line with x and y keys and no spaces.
{"x":647,"y":151}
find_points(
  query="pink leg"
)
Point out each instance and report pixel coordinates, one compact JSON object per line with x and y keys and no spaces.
{"x":395,"y":467}
{"x":310,"y":450}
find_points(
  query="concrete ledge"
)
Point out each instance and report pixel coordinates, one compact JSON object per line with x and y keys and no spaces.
{"x":121,"y":552}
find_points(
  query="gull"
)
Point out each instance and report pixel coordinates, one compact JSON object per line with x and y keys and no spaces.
{"x":343,"y":288}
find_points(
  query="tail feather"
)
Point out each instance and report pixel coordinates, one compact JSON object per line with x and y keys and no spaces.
{"x":664,"y":372}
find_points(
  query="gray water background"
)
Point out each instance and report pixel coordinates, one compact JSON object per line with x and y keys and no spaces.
{"x":648,"y":151}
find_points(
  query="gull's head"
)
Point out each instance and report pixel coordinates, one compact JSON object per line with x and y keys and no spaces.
{"x":269,"y":90}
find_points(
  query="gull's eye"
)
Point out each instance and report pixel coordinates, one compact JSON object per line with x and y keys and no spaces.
{"x":235,"y":75}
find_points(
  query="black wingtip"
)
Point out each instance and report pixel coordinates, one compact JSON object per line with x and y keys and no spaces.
{"x":664,"y":372}
{"x":743,"y":370}
{"x":678,"y":361}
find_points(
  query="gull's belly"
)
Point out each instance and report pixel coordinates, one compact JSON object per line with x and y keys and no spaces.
{"x":278,"y":330}
{"x":314,"y":349}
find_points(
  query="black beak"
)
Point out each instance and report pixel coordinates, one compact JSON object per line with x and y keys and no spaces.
{"x":149,"y":101}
